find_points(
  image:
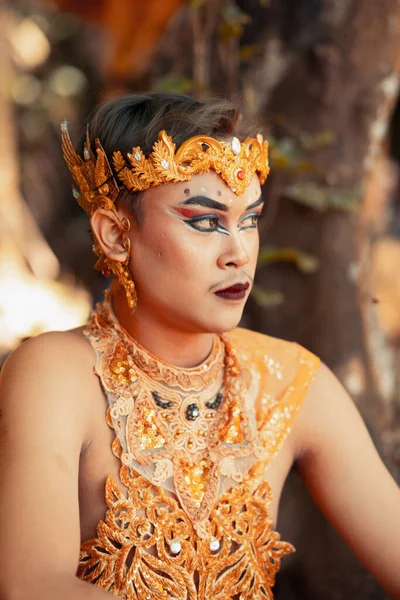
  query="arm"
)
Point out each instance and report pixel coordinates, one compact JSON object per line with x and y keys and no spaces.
{"x":44,"y":422}
{"x":348,"y":480}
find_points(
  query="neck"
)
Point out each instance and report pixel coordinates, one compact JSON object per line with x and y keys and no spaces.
{"x":177,"y":347}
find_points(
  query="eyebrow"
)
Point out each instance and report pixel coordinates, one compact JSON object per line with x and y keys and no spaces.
{"x":259,"y":201}
{"x":210,"y":203}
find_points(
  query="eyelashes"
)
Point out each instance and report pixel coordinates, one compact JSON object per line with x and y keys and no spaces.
{"x":212,"y":223}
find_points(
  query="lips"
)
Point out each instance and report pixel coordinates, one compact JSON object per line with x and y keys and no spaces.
{"x":234,"y":292}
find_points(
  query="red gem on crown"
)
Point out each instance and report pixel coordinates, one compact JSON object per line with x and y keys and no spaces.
{"x":240,"y":174}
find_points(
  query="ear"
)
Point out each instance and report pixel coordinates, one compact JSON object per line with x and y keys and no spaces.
{"x":109,"y":233}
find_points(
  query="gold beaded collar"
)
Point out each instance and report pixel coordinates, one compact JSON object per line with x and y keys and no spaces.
{"x":187,"y":379}
{"x":185,"y":425}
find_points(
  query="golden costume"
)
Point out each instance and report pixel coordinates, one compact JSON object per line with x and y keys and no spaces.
{"x":190,"y":520}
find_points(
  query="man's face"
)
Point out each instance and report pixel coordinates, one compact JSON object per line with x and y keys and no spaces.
{"x":196,"y":239}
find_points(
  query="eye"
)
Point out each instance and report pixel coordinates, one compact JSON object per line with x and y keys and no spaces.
{"x":205,"y":223}
{"x":250,"y":221}
{"x":211,"y":222}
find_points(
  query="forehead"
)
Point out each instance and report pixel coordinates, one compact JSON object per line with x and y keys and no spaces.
{"x":205,"y":184}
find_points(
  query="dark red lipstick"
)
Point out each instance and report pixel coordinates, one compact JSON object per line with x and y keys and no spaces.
{"x":234,"y":292}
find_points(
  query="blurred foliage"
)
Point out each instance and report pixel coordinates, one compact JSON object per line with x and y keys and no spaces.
{"x":268,"y":255}
{"x":306,"y":263}
{"x":321,"y":197}
{"x":196,"y":4}
{"x":51,"y":76}
{"x":250,"y":51}
{"x":234,"y":20}
{"x":291,"y":153}
{"x":173,"y":83}
{"x":266,"y":298}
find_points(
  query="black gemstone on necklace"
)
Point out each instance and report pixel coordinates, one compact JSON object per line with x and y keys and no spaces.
{"x":160,"y":402}
{"x":192,"y":412}
{"x":216,"y":403}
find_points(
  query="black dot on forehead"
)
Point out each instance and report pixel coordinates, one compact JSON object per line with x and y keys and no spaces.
{"x":187,"y":191}
{"x":219,"y":193}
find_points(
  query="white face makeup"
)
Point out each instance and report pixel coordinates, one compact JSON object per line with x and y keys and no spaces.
{"x":197,"y":239}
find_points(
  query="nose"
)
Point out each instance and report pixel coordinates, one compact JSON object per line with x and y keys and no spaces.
{"x":234,"y":254}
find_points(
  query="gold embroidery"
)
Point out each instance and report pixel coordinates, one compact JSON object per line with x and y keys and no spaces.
{"x":120,"y":368}
{"x":233,"y":433}
{"x":148,"y":433}
{"x":131,"y":554}
{"x":153,"y":433}
{"x":191,"y":540}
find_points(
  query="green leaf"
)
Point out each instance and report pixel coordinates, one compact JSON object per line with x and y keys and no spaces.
{"x":306,"y":263}
{"x":266,"y":298}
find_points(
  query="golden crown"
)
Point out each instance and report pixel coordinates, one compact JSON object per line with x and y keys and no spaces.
{"x":236,"y":162}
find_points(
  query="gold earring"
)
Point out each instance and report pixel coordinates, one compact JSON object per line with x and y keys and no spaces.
{"x":123,"y":276}
{"x":125,"y":224}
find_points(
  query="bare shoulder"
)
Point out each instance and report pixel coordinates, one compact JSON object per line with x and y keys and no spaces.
{"x":52,"y":353}
{"x":50,"y":373}
{"x":328,"y":411}
{"x":43,"y":346}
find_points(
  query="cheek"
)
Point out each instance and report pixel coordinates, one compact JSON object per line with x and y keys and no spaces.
{"x":252,"y":246}
{"x":172,"y":251}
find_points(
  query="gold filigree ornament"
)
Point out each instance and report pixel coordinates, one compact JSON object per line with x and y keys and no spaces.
{"x":96,"y":188}
{"x":236,"y":162}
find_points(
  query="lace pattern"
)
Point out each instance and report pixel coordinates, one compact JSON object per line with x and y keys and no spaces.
{"x":181,"y":487}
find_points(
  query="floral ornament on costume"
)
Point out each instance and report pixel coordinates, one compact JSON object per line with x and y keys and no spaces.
{"x":152,"y":544}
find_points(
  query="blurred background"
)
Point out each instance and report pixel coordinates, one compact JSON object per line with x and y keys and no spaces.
{"x":321,"y":79}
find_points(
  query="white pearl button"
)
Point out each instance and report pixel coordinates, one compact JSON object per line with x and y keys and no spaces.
{"x":214,"y":544}
{"x":175,"y":546}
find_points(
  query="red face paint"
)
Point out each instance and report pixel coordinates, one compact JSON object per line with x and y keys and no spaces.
{"x":188,"y":212}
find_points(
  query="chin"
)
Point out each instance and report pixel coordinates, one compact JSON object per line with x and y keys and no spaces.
{"x":224,"y":324}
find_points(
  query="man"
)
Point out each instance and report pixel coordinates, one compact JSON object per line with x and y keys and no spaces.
{"x":204,"y":420}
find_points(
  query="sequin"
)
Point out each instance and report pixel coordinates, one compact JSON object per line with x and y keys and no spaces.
{"x":227,"y":547}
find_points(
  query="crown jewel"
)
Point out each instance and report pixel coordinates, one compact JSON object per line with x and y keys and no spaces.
{"x":96,"y":186}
